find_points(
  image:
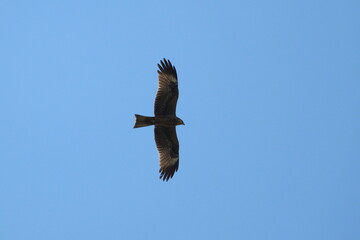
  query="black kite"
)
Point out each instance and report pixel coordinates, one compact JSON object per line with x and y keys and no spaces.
{"x":165,"y":120}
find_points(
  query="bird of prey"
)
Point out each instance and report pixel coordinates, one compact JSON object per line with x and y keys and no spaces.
{"x":165,"y":120}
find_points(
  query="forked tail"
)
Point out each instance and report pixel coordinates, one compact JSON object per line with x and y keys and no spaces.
{"x":143,"y":121}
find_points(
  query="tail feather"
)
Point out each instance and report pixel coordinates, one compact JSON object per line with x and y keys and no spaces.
{"x":143,"y":121}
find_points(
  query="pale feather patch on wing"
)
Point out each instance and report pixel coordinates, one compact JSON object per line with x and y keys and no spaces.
{"x":171,"y":78}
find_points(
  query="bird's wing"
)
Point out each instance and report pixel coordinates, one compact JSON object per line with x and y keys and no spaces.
{"x":168,"y":93}
{"x":168,"y":146}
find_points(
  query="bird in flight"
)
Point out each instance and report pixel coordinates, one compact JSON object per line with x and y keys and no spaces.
{"x":165,"y":120}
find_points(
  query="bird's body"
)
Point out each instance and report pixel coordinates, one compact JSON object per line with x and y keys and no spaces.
{"x":158,"y":121}
{"x":165,"y":120}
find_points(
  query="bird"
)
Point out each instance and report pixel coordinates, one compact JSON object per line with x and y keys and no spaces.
{"x":165,"y":120}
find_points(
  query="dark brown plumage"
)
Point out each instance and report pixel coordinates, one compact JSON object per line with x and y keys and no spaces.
{"x":165,"y":120}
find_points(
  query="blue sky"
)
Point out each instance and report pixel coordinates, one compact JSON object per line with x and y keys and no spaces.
{"x":269,"y":92}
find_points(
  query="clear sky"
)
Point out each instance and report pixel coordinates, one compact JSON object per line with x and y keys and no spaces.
{"x":269,"y":92}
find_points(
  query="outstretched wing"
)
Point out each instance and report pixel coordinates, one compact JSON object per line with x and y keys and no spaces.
{"x":168,"y":93}
{"x":168,"y":146}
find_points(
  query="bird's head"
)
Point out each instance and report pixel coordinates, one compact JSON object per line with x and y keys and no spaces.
{"x":179,"y":122}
